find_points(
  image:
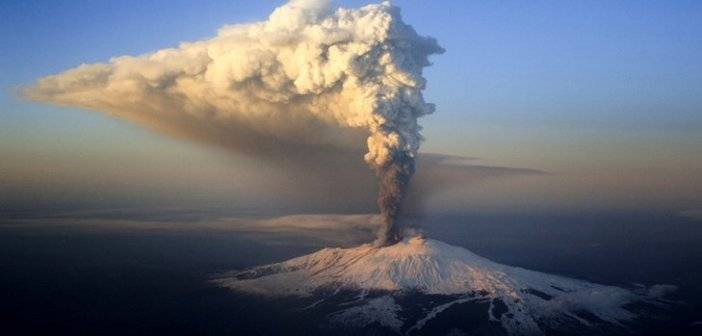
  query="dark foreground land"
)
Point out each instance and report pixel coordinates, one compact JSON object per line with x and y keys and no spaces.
{"x":115,"y":282}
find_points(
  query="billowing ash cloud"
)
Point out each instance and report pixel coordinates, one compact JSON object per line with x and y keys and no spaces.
{"x":297,"y":78}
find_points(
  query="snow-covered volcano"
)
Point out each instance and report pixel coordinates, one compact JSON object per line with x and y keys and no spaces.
{"x":519,"y":300}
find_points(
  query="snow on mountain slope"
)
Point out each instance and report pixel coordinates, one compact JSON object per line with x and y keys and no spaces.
{"x":433,"y":267}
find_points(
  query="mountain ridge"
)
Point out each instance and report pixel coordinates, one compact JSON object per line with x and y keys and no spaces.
{"x":530,"y":299}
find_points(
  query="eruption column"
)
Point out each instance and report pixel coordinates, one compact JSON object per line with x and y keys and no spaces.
{"x":295,"y":78}
{"x":394,"y":178}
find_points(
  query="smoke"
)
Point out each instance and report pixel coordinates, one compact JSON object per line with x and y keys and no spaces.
{"x":394,"y":179}
{"x":303,"y":78}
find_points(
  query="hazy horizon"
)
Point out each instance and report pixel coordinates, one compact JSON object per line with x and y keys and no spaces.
{"x":606,"y":109}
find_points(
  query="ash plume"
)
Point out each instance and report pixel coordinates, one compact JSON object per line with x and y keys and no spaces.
{"x":302,"y":78}
{"x":394,"y":178}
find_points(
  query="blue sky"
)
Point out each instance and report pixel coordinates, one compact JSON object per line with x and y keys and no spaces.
{"x":595,"y":91}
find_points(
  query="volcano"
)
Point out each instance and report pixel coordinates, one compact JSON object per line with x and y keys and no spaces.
{"x":405,"y":288}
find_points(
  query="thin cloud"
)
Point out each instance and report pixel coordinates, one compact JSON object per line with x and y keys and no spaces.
{"x":695,"y":214}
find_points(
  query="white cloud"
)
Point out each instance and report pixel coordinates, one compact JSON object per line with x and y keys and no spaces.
{"x":298,"y":77}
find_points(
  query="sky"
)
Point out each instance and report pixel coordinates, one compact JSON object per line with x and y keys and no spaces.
{"x":553,"y":106}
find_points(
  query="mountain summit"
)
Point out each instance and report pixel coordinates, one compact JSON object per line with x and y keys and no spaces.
{"x":381,"y":278}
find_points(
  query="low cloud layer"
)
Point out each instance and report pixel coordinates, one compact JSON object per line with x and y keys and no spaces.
{"x":332,"y":228}
{"x":695,"y":214}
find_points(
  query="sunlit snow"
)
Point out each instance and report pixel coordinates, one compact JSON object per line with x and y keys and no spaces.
{"x":432,"y":267}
